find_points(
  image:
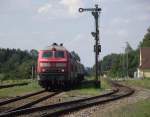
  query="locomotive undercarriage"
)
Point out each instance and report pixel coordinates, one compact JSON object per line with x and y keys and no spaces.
{"x":55,"y":81}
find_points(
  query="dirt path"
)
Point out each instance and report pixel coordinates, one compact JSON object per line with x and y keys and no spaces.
{"x":102,"y":110}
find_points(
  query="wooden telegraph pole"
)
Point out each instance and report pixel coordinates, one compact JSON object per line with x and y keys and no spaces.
{"x":97,"y":47}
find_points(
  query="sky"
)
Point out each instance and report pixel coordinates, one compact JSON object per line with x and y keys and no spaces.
{"x":34,"y":24}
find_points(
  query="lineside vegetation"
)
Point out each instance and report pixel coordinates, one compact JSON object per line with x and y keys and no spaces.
{"x":16,"y":63}
{"x":139,"y":109}
{"x":145,"y":83}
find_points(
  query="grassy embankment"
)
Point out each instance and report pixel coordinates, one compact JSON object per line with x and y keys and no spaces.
{"x":139,"y":109}
{"x":19,"y":90}
{"x":145,"y":83}
{"x":83,"y":89}
{"x":15,"y":81}
{"x":90,"y":89}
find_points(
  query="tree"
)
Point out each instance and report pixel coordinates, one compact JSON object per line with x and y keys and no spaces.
{"x":25,"y":69}
{"x":108,"y":61}
{"x":115,"y":65}
{"x":146,"y":39}
{"x":15,"y":63}
{"x":128,"y":48}
{"x":75,"y":55}
{"x":34,"y":53}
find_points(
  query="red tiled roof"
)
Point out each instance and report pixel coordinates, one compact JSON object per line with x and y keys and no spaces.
{"x":145,"y":58}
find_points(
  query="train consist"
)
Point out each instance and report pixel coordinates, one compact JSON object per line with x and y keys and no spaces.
{"x":58,"y":68}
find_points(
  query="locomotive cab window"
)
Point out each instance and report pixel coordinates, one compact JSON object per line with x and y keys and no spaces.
{"x":47,"y":55}
{"x":59,"y":54}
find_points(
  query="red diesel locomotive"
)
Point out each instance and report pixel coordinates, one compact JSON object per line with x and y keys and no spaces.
{"x":58,"y":68}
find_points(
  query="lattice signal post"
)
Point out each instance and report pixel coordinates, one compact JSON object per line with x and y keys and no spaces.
{"x":97,"y":47}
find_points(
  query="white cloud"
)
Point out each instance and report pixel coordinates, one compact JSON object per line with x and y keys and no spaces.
{"x":119,"y":20}
{"x":148,"y":8}
{"x":44,"y":9}
{"x":1,"y":34}
{"x":117,"y":33}
{"x":79,"y":37}
{"x":122,"y":33}
{"x":72,"y":5}
{"x":144,"y":17}
{"x":63,"y":8}
{"x":83,"y":45}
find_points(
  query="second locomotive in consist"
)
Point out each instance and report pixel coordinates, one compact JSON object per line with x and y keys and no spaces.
{"x":58,"y":68}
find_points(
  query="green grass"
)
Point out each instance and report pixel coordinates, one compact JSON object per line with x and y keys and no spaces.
{"x":139,"y":109}
{"x":90,"y":89}
{"x":20,"y":90}
{"x":6,"y":82}
{"x":145,"y":83}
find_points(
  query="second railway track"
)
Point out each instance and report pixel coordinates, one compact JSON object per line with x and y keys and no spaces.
{"x":44,"y":95}
{"x":20,"y":98}
{"x":13,"y":85}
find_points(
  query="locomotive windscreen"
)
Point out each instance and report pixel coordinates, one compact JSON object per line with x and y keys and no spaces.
{"x":47,"y":54}
{"x":59,"y":54}
{"x":51,"y":54}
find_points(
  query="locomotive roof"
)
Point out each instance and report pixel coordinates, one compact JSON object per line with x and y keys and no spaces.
{"x":57,"y":47}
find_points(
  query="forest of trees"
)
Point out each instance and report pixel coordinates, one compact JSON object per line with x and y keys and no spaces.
{"x":16,"y":64}
{"x":120,"y":65}
{"x":123,"y":64}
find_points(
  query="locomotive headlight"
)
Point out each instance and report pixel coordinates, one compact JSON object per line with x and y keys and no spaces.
{"x":60,"y":64}
{"x":45,"y":64}
{"x":62,"y":70}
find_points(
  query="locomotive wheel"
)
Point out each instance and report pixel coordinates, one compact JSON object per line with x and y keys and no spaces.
{"x":46,"y":88}
{"x":68,"y":85}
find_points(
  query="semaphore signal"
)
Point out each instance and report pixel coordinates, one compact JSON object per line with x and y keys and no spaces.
{"x":97,"y":47}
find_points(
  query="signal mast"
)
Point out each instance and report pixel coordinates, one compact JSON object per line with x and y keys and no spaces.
{"x":97,"y":47}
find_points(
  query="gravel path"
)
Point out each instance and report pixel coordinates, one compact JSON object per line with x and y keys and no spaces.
{"x":102,"y":110}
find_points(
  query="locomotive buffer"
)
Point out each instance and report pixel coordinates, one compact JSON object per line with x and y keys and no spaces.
{"x":97,"y":47}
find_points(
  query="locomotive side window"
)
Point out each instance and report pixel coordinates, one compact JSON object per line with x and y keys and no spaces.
{"x":59,"y":54}
{"x":47,"y":55}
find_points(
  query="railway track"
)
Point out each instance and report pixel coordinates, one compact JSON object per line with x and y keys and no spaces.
{"x":34,"y":102}
{"x":20,"y":98}
{"x":12,"y":85}
{"x":30,"y":103}
{"x":63,"y":108}
{"x":120,"y":91}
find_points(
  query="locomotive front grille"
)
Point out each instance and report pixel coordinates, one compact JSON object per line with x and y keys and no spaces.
{"x":46,"y":70}
{"x":52,"y":76}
